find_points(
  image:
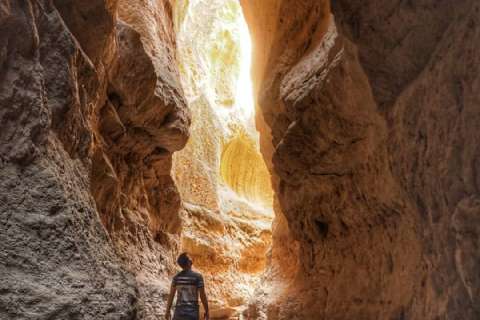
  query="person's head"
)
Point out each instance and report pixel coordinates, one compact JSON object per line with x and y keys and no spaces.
{"x":184,"y":261}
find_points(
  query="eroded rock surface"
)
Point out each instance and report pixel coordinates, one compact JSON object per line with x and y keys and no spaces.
{"x":433,"y":109}
{"x":91,"y":112}
{"x":367,"y":117}
{"x":57,"y":261}
{"x":221,"y":175}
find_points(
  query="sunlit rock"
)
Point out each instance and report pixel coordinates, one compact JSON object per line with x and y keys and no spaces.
{"x":243,"y":169}
{"x":367,"y":113}
{"x":221,"y":175}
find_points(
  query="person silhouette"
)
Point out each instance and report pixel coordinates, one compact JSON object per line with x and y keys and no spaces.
{"x":188,"y":285}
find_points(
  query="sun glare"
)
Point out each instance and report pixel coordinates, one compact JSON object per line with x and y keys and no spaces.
{"x":244,"y":96}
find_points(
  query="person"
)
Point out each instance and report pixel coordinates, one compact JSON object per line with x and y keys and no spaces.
{"x":188,"y":285}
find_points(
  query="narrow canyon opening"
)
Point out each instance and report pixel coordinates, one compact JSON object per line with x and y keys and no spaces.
{"x":222,"y":178}
{"x":128,"y":134}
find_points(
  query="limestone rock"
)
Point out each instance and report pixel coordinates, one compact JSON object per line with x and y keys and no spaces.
{"x":56,"y":259}
{"x":364,"y":115}
{"x":367,"y":113}
{"x":222,"y":178}
{"x":91,"y":112}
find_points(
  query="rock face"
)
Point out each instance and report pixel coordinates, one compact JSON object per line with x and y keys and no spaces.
{"x":222,"y":178}
{"x":57,"y":261}
{"x":368,"y":118}
{"x":91,"y":112}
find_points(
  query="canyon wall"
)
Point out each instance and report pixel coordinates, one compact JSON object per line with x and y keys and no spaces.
{"x":91,"y":112}
{"x":92,"y":109}
{"x":368,"y":115}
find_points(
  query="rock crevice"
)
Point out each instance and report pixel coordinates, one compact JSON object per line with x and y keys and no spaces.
{"x":367,"y":117}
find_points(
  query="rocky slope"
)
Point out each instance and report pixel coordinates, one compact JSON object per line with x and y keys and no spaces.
{"x":369,"y":117}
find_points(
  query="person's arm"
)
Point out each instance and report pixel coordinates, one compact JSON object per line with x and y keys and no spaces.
{"x":203,"y":297}
{"x":173,"y":289}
